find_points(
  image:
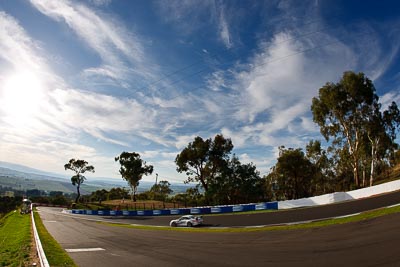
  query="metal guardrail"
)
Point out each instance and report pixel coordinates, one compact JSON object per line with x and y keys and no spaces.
{"x":39,"y":247}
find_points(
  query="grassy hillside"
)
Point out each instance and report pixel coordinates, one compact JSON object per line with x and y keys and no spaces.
{"x":19,"y":183}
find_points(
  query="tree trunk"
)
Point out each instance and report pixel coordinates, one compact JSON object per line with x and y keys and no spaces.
{"x":79,"y":194}
{"x":371,"y":177}
{"x":132,"y":193}
{"x":363,"y":181}
{"x":355,"y":173}
{"x":353,"y":151}
{"x":374,"y":148}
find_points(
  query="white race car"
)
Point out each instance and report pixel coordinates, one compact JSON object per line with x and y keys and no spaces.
{"x":187,"y":220}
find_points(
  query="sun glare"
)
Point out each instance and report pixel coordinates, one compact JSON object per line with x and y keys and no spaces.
{"x":21,"y":96}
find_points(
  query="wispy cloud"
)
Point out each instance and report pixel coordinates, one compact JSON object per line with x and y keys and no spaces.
{"x":389,"y":97}
{"x":101,"y":2}
{"x":279,"y":81}
{"x":101,"y":34}
{"x":177,"y":11}
{"x":64,"y":114}
{"x":106,"y":36}
{"x":224,"y":29}
{"x":193,"y":16}
{"x":276,"y":86}
{"x":14,"y":41}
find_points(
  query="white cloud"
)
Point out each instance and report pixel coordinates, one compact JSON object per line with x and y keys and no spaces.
{"x":102,"y":112}
{"x":106,"y":36}
{"x":101,"y":34}
{"x":183,"y":140}
{"x":17,"y":47}
{"x":261,"y":163}
{"x":239,"y":138}
{"x":224,"y":30}
{"x":101,"y":2}
{"x":181,"y":10}
{"x":271,"y":94}
{"x":388,"y":98}
{"x":217,"y":81}
{"x":52,"y":133}
{"x":191,"y":16}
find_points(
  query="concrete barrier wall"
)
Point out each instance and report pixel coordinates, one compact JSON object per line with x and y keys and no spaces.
{"x":340,"y":196}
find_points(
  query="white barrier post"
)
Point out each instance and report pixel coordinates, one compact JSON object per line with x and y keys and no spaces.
{"x":39,"y":248}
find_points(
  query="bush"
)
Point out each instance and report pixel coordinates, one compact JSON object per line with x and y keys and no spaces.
{"x":8,"y":204}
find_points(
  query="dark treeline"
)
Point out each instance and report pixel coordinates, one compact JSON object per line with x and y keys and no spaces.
{"x":36,"y":196}
{"x":8,"y":204}
{"x":160,"y":191}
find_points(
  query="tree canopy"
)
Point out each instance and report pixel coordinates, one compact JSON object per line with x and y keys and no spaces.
{"x":79,"y":167}
{"x":202,"y":159}
{"x":294,"y":173}
{"x":341,"y":111}
{"x":237,"y":183}
{"x":132,"y":169}
{"x":161,"y":190}
{"x":349,"y":112}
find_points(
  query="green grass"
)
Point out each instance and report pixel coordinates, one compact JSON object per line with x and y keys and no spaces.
{"x":15,"y":239}
{"x":55,"y":255}
{"x":323,"y":223}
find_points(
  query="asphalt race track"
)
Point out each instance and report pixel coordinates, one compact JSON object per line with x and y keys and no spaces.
{"x":285,"y":216}
{"x":372,"y":242}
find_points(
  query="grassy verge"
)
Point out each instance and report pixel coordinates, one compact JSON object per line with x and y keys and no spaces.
{"x":323,"y":223}
{"x":55,"y":255}
{"x":15,"y":239}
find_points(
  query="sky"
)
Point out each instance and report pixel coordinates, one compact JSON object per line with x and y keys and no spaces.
{"x":91,"y":79}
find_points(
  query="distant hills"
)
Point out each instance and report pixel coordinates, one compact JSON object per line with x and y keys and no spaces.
{"x":19,"y":177}
{"x":25,"y":169}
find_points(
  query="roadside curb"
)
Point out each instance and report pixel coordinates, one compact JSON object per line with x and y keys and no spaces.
{"x":39,"y":247}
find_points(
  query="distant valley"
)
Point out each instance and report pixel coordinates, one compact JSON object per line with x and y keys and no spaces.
{"x":22,"y":178}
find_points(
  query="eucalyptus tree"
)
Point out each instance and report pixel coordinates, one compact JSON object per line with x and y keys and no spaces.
{"x":381,"y":132}
{"x":118,"y":193}
{"x":99,"y":195}
{"x":342,"y":110}
{"x":237,"y":183}
{"x":161,"y":190}
{"x":322,"y":180}
{"x":202,"y":159}
{"x":79,"y":167}
{"x":294,"y":173}
{"x":132,"y":170}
